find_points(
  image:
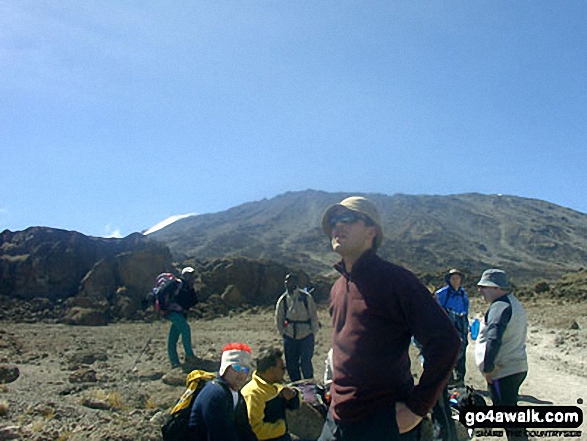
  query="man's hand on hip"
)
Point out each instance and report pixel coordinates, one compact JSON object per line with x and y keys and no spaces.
{"x":406,"y":419}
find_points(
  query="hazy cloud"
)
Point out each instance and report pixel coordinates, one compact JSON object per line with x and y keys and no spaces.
{"x":112,"y":232}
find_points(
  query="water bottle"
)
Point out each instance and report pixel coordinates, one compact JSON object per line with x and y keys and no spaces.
{"x":475,"y":329}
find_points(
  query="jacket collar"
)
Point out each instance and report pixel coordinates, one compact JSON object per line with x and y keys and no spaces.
{"x":363,"y":261}
{"x":274,"y":387}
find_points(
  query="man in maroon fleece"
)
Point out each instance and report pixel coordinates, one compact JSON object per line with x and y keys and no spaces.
{"x":376,"y":308}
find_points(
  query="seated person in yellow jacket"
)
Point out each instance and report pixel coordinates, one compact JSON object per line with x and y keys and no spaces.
{"x":267,"y":399}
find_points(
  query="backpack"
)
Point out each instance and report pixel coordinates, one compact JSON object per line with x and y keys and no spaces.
{"x":304,"y":301}
{"x":466,"y":397}
{"x":166,"y":288}
{"x":186,"y":297}
{"x":296,"y":322}
{"x":315,"y":395}
{"x":176,"y":428}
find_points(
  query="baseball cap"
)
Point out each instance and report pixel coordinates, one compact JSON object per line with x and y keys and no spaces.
{"x":357,"y":204}
{"x":187,"y":270}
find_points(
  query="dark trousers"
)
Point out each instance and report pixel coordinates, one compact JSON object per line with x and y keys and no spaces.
{"x":298,"y":353}
{"x":504,"y":392}
{"x":381,"y":426}
{"x":461,"y":367}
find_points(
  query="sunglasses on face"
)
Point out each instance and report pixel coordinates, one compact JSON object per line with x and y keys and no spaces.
{"x":243,"y":369}
{"x":348,"y":218}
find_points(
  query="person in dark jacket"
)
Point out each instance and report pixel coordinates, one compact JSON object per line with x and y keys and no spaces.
{"x":219,"y":412}
{"x":453,"y":298}
{"x":376,"y":308}
{"x":177,"y":315}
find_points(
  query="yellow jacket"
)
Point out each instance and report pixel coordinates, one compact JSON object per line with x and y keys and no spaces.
{"x":266,"y":408}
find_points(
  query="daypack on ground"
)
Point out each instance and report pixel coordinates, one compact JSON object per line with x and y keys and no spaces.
{"x":460,"y":397}
{"x":176,"y":428}
{"x":313,"y":394}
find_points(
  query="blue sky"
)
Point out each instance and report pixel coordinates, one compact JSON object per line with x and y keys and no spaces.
{"x":115,"y":115}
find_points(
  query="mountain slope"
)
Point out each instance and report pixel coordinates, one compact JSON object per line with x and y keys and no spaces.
{"x":529,"y":237}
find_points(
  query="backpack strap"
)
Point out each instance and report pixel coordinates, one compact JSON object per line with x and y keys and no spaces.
{"x":297,"y":322}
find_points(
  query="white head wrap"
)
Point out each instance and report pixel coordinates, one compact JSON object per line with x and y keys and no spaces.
{"x":235,"y":356}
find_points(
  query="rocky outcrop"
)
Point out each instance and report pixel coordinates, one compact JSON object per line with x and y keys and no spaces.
{"x":254,"y":282}
{"x":121,"y":282}
{"x":98,"y":278}
{"x":49,"y":274}
{"x":51,"y":263}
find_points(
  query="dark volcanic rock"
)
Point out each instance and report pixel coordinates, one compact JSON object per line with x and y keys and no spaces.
{"x":51,"y":265}
{"x":255,"y":282}
{"x":8,"y":374}
{"x":48,"y":262}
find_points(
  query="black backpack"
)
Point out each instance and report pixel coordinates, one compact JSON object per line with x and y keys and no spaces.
{"x":460,"y":398}
{"x":170,"y":289}
{"x":186,"y":297}
{"x":166,"y":288}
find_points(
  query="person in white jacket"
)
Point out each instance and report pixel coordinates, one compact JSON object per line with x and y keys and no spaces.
{"x":500,"y":352}
{"x":296,"y":319}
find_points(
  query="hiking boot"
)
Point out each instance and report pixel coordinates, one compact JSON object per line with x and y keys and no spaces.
{"x":191,"y":359}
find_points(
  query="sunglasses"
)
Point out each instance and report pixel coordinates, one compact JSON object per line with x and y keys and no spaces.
{"x":243,"y":369}
{"x":348,"y":218}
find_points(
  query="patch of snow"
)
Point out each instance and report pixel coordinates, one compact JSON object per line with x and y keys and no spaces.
{"x":167,"y":222}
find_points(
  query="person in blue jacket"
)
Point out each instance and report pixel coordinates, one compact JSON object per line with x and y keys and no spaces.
{"x":219,"y":412}
{"x":453,"y":298}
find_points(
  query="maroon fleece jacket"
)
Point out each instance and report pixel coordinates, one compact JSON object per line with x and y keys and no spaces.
{"x":375,"y":310}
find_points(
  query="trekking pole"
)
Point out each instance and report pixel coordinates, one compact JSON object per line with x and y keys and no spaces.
{"x":147,"y":344}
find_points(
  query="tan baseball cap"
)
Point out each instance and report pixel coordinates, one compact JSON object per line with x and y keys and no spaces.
{"x":357,"y":204}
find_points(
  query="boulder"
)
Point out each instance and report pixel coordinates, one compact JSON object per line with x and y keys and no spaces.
{"x":123,"y":280}
{"x":85,"y":317}
{"x":259,"y":282}
{"x":175,"y":377}
{"x":305,"y":422}
{"x":8,"y":374}
{"x":86,"y":357}
{"x":232,"y":296}
{"x":11,"y":432}
{"x":124,"y":307}
{"x":83,"y":375}
{"x":4,"y":409}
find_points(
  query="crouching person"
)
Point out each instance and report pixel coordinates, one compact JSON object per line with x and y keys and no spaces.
{"x":267,"y":400}
{"x":219,"y":412}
